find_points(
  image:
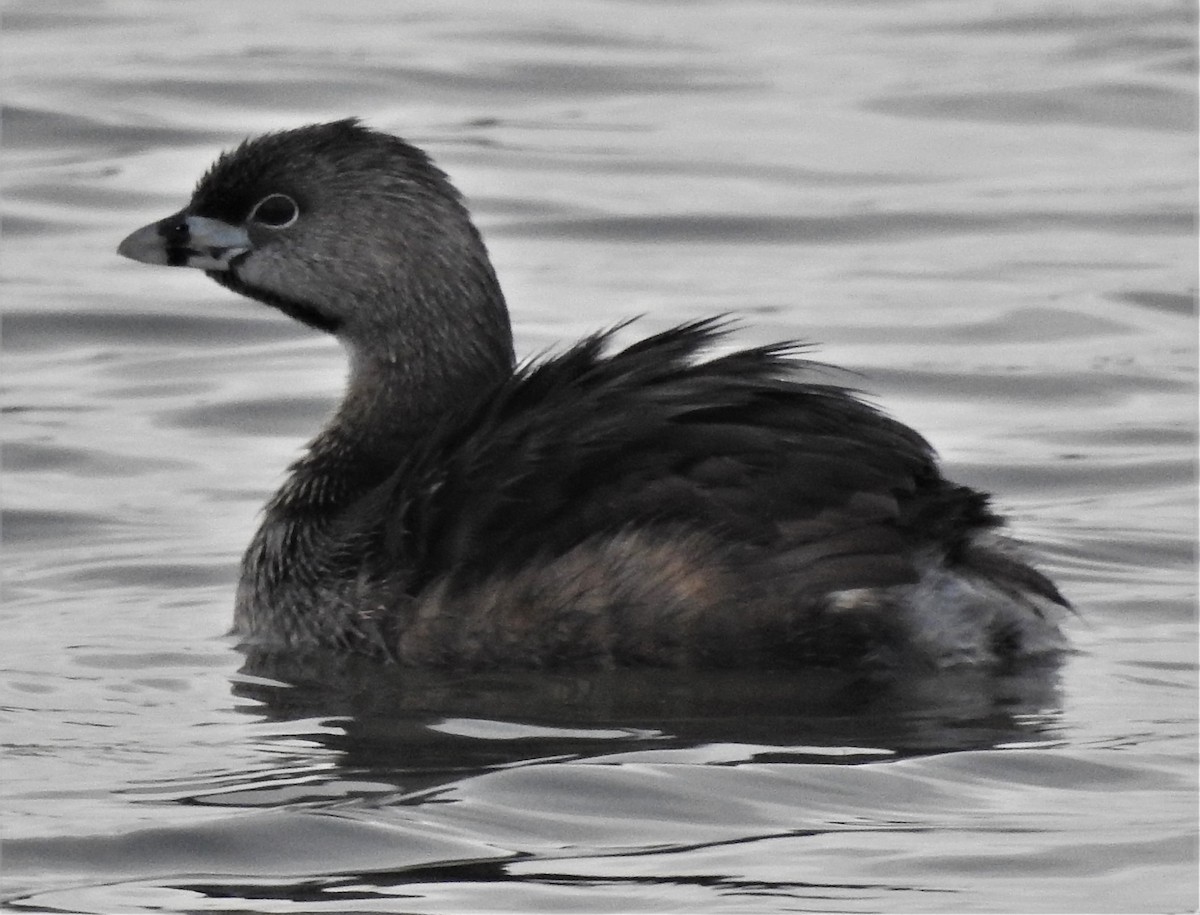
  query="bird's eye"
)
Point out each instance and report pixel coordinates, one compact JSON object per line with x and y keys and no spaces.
{"x":277,"y":211}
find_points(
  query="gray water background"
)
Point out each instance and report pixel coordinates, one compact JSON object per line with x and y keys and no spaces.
{"x":985,"y":209}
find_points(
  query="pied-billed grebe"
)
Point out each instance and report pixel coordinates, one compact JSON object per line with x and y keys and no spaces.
{"x":644,"y":507}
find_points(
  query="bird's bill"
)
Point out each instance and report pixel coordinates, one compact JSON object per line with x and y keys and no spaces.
{"x":184,"y":240}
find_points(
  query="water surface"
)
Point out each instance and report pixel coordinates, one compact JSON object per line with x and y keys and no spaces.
{"x":986,"y":210}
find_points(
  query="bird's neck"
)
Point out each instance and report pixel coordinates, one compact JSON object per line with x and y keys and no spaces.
{"x":346,"y":488}
{"x":399,"y":392}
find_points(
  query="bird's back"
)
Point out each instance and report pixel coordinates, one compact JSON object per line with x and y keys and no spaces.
{"x":650,"y":507}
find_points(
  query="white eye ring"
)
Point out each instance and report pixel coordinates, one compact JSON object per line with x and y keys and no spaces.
{"x":276,"y":211}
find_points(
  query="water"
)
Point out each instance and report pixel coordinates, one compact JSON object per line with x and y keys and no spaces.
{"x":985,"y":209}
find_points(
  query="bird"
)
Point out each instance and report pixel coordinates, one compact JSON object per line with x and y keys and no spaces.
{"x":675,"y":503}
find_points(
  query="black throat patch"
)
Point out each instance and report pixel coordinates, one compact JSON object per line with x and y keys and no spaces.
{"x":303,"y":312}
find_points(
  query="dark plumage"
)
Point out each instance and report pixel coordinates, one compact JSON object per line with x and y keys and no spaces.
{"x":651,"y":506}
